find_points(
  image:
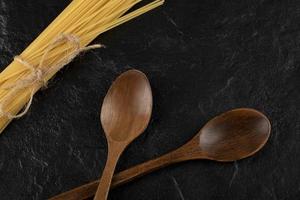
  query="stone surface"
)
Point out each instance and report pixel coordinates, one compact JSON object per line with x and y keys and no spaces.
{"x":202,"y":58}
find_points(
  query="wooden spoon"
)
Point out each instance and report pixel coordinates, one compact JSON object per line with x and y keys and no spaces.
{"x":231,"y":136}
{"x":125,"y":114}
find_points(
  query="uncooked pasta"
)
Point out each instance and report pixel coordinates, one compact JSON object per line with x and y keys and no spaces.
{"x":68,"y":35}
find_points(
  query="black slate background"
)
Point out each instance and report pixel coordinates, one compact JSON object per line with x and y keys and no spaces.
{"x":202,"y":58}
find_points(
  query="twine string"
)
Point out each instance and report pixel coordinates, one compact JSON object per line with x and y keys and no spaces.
{"x":38,"y":75}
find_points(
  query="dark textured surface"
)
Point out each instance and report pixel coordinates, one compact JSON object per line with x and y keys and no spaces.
{"x":202,"y":58}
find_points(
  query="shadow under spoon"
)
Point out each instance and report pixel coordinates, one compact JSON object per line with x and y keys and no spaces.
{"x":231,"y":136}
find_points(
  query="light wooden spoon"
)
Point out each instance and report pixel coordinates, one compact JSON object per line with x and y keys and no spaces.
{"x":125,"y":114}
{"x":231,"y":136}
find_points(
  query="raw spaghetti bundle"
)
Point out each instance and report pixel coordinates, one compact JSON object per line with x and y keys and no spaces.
{"x":68,"y":35}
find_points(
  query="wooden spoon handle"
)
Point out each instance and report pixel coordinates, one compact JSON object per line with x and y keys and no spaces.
{"x":108,"y":172}
{"x":89,"y":189}
{"x":142,"y":169}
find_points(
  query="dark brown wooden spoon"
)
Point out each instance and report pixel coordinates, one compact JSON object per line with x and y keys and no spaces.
{"x":231,"y":136}
{"x":125,"y":114}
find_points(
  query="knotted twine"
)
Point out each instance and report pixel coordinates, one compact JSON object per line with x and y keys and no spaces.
{"x":37,"y":77}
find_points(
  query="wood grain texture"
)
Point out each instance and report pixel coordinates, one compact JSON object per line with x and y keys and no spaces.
{"x":231,"y":136}
{"x":125,"y":114}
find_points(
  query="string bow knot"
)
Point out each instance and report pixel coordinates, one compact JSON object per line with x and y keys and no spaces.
{"x":39,"y":74}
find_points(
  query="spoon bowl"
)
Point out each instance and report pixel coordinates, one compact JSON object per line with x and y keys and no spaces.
{"x":127,"y":107}
{"x":231,"y":136}
{"x":234,"y":135}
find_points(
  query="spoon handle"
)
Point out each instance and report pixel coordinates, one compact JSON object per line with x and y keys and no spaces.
{"x":108,"y":172}
{"x":89,"y":189}
{"x":143,"y":169}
